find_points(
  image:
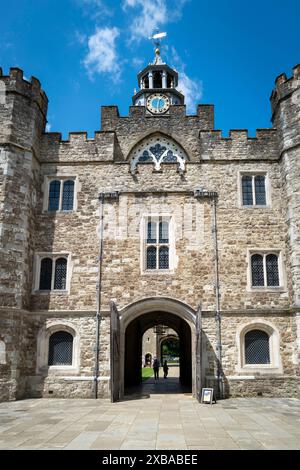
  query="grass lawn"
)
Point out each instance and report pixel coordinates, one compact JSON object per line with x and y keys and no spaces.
{"x":146,"y":373}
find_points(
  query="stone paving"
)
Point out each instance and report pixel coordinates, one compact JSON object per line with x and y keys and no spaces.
{"x":162,"y":421}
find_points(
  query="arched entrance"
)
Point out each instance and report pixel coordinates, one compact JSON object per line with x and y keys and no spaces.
{"x":133,"y":347}
{"x":127,"y":326}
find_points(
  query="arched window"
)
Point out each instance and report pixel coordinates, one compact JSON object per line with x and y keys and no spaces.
{"x":257,"y":350}
{"x":54,"y":196}
{"x":60,"y":349}
{"x":68,"y":195}
{"x":257,"y":269}
{"x":60,"y":274}
{"x":158,"y":149}
{"x":46,"y":274}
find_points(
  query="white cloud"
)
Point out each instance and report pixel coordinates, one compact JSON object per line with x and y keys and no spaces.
{"x":137,"y":62}
{"x":48,"y":127}
{"x":190,"y":88}
{"x":151,"y":15}
{"x":102,"y":56}
{"x":95,"y":8}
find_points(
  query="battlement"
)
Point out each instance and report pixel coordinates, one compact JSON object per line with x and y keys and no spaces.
{"x":15,"y":83}
{"x":263,"y":146}
{"x":75,"y":137}
{"x":111,"y":119}
{"x":78,"y":147}
{"x":239,"y":134}
{"x":285,"y":86}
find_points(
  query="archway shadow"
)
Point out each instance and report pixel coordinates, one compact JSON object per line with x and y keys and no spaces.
{"x":180,"y":381}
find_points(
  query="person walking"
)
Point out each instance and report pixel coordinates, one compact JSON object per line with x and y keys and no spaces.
{"x":156,"y":368}
{"x":166,"y":369}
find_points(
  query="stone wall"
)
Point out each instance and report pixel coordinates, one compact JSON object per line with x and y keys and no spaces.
{"x":239,"y":230}
{"x":29,"y":157}
{"x":285,"y":101}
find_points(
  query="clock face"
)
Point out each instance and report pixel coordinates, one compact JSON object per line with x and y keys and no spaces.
{"x":158,"y":103}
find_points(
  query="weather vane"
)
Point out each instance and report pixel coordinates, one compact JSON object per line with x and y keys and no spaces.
{"x":156,"y":38}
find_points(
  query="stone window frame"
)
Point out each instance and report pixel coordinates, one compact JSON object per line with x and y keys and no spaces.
{"x":37,"y":271}
{"x":275,"y":365}
{"x":281,"y":272}
{"x":42,"y":366}
{"x":156,"y":217}
{"x":267,"y":189}
{"x":62,"y":178}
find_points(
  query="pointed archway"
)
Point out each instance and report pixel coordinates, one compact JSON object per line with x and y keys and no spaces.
{"x":144,"y":312}
{"x":133,"y":347}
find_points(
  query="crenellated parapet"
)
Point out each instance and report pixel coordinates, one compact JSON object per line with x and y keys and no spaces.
{"x":285,"y":101}
{"x":112,"y":121}
{"x":15,"y":83}
{"x":285,"y":87}
{"x":23,"y":110}
{"x":239,"y":146}
{"x":104,"y":147}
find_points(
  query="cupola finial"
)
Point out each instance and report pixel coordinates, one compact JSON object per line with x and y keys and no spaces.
{"x":156,"y":38}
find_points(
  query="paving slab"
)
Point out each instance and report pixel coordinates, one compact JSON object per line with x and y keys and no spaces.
{"x":162,"y":421}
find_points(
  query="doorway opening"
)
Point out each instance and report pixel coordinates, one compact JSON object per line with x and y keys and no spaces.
{"x":178,"y":341}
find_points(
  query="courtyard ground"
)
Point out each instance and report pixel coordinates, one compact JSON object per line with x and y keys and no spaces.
{"x":159,"y":421}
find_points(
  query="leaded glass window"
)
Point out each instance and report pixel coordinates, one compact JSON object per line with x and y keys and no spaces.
{"x":164,"y":257}
{"x":151,"y":257}
{"x":68,"y":195}
{"x":265,"y":270}
{"x":60,"y":349}
{"x":61,"y":195}
{"x":157,"y":243}
{"x":54,"y":195}
{"x":272,"y":270}
{"x":53,"y":273}
{"x":45,"y":274}
{"x":254,"y":190}
{"x":257,"y":350}
{"x":260,"y":190}
{"x":257,"y":268}
{"x":60,"y":278}
{"x":247,"y":190}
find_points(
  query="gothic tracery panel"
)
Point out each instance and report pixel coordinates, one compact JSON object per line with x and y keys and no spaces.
{"x":157,"y":150}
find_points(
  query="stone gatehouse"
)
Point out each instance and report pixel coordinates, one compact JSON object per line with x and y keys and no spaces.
{"x":156,"y":220}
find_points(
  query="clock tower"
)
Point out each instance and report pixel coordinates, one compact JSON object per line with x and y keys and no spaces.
{"x":157,"y":86}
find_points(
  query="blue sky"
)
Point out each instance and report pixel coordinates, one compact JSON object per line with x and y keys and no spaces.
{"x":87,"y":53}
